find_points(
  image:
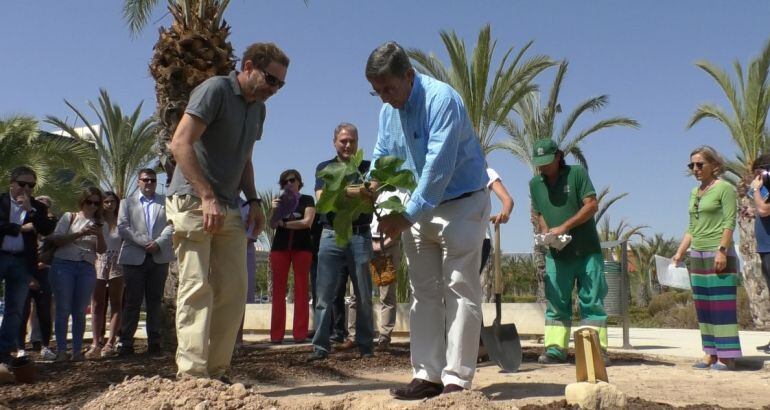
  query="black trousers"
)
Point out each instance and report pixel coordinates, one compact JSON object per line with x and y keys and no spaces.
{"x":42,"y":299}
{"x":143,"y":282}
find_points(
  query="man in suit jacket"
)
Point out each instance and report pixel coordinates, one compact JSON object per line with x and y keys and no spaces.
{"x":144,"y":257}
{"x":21,"y":219}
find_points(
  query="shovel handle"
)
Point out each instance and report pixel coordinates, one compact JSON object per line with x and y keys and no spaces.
{"x":498,"y":274}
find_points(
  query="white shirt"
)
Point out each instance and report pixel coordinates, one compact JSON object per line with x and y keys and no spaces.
{"x":493,"y":176}
{"x":151,"y":209}
{"x":81,"y":249}
{"x":15,"y":243}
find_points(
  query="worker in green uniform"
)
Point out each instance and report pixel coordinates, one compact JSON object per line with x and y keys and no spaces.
{"x":564,"y":202}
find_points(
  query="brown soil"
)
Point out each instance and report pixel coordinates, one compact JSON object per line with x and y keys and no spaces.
{"x":277,"y":377}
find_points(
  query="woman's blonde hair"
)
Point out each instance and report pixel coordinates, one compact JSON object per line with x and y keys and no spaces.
{"x":712,"y":157}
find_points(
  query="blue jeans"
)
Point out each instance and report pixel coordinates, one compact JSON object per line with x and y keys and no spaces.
{"x":14,"y":272}
{"x":332,"y":263}
{"x":72,"y":284}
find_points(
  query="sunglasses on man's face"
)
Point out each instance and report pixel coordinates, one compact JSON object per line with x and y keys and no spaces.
{"x":272,"y":80}
{"x":25,"y":184}
{"x":148,"y":180}
{"x":693,"y":165}
{"x":288,"y":181}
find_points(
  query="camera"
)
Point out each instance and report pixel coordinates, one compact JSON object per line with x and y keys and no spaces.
{"x":765,"y":169}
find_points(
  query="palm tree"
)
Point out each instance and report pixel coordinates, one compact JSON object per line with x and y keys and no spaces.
{"x":487,"y":104}
{"x":539,"y":122}
{"x":644,"y":258}
{"x":60,"y":163}
{"x":122,"y":143}
{"x":747,"y":126}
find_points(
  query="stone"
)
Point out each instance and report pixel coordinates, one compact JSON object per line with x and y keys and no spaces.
{"x":592,"y":396}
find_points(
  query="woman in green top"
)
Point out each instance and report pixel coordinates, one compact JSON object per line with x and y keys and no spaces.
{"x":713,"y":262}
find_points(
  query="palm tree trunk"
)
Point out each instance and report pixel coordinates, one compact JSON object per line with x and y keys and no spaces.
{"x":753,"y":282}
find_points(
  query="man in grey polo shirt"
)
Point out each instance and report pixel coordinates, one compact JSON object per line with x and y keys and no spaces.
{"x":212,"y":147}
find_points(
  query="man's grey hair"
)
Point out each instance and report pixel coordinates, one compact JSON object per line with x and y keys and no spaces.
{"x":346,"y":126}
{"x":388,"y":59}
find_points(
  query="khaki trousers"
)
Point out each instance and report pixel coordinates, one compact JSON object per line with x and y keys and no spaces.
{"x":212,"y":287}
{"x":443,"y":255}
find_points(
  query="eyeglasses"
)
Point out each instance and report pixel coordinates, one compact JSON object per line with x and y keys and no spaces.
{"x":148,"y":180}
{"x":288,"y":181}
{"x":25,"y":184}
{"x":698,"y":165}
{"x":272,"y":80}
{"x":92,"y":203}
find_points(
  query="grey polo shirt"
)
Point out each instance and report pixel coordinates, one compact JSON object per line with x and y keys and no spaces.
{"x":232,"y":127}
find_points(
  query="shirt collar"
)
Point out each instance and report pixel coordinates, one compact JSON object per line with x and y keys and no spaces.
{"x":233,"y":78}
{"x":144,"y":199}
{"x":416,"y":92}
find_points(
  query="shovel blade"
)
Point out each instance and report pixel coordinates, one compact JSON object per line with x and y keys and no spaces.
{"x":503,"y":345}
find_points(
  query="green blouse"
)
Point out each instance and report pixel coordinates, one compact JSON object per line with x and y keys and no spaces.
{"x":711,"y":214}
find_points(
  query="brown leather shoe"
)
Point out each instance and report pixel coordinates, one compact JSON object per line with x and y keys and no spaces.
{"x":417,"y":389}
{"x":451,"y":388}
{"x":347,"y":345}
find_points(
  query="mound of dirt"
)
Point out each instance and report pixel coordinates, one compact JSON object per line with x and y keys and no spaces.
{"x":466,"y":399}
{"x":157,"y":393}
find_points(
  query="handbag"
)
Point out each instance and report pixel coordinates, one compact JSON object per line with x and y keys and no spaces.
{"x":383,"y":271}
{"x":48,"y":247}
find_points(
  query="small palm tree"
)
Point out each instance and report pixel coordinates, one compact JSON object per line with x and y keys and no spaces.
{"x":746,"y":123}
{"x":644,"y":259}
{"x":489,"y":96}
{"x":537,"y":122}
{"x":60,"y":163}
{"x":122,"y":143}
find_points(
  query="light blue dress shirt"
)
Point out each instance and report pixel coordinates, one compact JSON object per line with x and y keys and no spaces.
{"x":149,"y":206}
{"x":434,"y":135}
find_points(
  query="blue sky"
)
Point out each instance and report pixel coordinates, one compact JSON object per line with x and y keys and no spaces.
{"x":642,"y":54}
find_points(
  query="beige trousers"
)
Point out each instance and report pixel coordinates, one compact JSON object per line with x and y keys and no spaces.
{"x":212,"y":287}
{"x":443,"y":255}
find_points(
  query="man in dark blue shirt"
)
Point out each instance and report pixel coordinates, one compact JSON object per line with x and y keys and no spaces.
{"x":759,"y":195}
{"x":334,"y":260}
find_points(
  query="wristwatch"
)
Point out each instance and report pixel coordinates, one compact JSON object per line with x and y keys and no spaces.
{"x":722,"y":249}
{"x":257,"y":200}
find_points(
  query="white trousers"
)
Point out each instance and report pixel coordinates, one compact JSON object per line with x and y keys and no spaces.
{"x":443,"y":255}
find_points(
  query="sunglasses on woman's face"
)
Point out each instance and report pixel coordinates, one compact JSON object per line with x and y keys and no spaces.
{"x":92,"y":203}
{"x":288,"y":181}
{"x":693,"y":165}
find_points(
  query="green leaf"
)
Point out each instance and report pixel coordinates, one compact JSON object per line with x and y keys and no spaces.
{"x":393,"y":203}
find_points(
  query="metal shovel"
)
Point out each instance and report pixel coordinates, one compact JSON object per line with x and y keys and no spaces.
{"x":501,"y":341}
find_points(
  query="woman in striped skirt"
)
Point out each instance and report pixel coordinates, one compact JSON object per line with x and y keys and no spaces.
{"x":713,"y":262}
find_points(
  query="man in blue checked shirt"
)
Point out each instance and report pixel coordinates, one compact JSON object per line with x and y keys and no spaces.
{"x":424,"y":122}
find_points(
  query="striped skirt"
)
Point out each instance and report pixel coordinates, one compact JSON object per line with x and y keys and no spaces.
{"x":714,"y":295}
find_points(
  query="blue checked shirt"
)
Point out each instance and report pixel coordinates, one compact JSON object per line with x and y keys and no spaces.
{"x":434,"y":135}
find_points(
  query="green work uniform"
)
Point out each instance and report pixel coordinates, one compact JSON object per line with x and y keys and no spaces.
{"x":580,"y":261}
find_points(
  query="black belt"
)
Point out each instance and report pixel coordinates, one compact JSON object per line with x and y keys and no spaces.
{"x":4,"y":252}
{"x":357,"y":229}
{"x":465,"y":195}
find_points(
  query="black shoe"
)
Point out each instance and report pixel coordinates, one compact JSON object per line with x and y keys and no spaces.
{"x":417,"y":389}
{"x":546,"y":358}
{"x":316,"y":356}
{"x":124,"y":351}
{"x":764,"y":348}
{"x":224,"y":379}
{"x":154,"y":350}
{"x":336,"y":339}
{"x":606,"y":358}
{"x":366,"y":355}
{"x":451,"y":388}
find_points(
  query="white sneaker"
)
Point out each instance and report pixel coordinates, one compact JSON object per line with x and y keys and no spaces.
{"x":21,"y":353}
{"x":47,"y":354}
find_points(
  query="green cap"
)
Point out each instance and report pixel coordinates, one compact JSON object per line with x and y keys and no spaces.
{"x":543,"y":152}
